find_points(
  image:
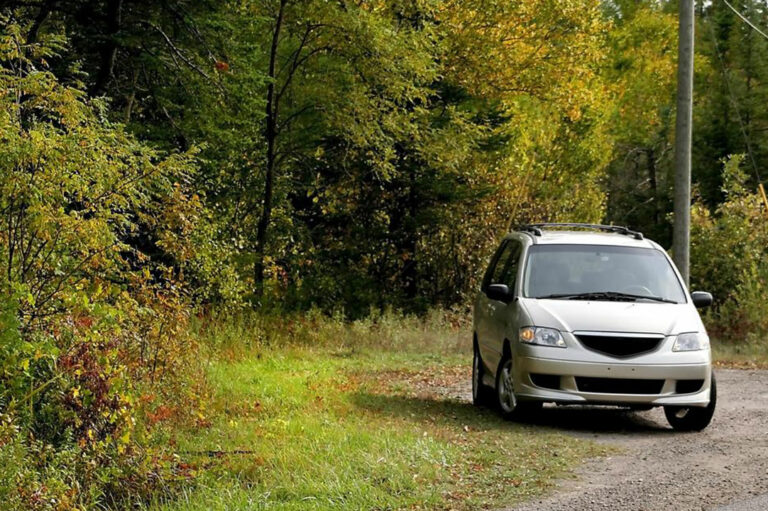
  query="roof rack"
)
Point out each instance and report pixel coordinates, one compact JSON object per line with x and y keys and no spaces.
{"x":536,"y":229}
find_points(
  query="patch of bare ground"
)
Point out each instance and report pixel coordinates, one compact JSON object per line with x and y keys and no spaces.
{"x":657,"y":468}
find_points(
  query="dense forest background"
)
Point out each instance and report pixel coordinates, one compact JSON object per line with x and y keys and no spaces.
{"x":160,"y":160}
{"x":350,"y":155}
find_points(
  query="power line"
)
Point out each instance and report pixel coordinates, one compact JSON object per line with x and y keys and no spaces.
{"x":744,"y":19}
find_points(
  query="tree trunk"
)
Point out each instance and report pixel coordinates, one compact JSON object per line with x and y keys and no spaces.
{"x":410,"y":273}
{"x":109,"y":51}
{"x":42,"y":15}
{"x":271,"y":134}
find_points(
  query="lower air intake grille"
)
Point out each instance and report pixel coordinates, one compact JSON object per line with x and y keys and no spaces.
{"x":619,"y":346}
{"x":546,"y":381}
{"x":688,"y":386}
{"x":618,"y":385}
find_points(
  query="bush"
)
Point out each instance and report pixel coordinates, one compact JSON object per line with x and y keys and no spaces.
{"x":729,"y":251}
{"x":92,"y":313}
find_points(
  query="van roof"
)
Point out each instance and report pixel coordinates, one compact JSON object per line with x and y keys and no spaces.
{"x":589,"y":238}
{"x":585,"y":234}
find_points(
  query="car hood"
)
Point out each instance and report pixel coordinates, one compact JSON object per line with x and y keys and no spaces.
{"x":599,"y":316}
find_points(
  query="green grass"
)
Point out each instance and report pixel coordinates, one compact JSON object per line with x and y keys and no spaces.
{"x":356,"y":424}
{"x":747,"y":354}
{"x":311,"y":412}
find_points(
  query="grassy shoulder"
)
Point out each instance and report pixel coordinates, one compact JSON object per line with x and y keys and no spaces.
{"x":347,"y":427}
{"x":744,"y":355}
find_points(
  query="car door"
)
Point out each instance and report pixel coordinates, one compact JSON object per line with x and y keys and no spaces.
{"x":482,"y":305}
{"x":502,"y":315}
{"x":487,"y":311}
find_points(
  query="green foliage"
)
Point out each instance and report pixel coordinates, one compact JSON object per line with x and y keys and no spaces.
{"x":405,"y":136}
{"x":401,"y":138}
{"x":343,"y":158}
{"x":420,"y":168}
{"x":729,"y":250}
{"x":730,"y":117}
{"x":88,"y":311}
{"x":643,"y":57}
{"x":317,"y":413}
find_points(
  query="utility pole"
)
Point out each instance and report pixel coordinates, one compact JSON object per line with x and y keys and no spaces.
{"x":681,"y":235}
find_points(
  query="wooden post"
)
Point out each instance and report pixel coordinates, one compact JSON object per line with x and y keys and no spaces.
{"x":765,"y":199}
{"x":681,"y":235}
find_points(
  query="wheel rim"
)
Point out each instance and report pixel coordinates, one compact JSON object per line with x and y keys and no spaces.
{"x":475,"y":374}
{"x":682,"y":413}
{"x":507,"y":399}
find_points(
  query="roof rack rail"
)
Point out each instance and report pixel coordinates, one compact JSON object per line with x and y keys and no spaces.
{"x":529,"y":228}
{"x":536,"y":229}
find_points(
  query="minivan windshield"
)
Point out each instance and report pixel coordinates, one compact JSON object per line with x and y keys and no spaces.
{"x":598,"y":272}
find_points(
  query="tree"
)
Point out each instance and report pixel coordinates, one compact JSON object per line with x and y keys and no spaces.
{"x":372,"y":69}
{"x":730,"y":117}
{"x":642,"y":70}
{"x":361,"y":145}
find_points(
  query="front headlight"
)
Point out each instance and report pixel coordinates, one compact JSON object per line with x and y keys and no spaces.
{"x":691,"y":341}
{"x":542,"y":336}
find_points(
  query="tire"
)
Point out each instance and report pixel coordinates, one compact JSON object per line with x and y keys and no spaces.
{"x":481,"y":393}
{"x":506,"y":400}
{"x":692,"y":418}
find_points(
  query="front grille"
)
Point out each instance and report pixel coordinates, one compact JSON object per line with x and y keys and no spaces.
{"x":619,"y":346}
{"x":546,"y":381}
{"x":618,"y":385}
{"x":688,"y":386}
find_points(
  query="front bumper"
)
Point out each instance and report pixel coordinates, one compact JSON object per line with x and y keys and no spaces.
{"x":570,"y":388}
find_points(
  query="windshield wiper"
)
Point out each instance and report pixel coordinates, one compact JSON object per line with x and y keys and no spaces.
{"x":605,"y":295}
{"x":646,"y":297}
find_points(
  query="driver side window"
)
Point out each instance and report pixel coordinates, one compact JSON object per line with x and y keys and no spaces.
{"x":496,"y":262}
{"x":503,"y":269}
{"x":508,"y":274}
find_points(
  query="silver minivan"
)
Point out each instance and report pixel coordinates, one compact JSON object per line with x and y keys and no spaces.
{"x":590,"y":314}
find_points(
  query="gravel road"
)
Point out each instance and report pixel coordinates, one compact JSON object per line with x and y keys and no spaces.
{"x":725,"y":466}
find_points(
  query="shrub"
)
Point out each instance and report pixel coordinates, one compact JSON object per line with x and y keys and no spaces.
{"x":92,"y":315}
{"x":729,"y":251}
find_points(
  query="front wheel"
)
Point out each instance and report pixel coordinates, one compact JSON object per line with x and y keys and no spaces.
{"x":509,"y":406}
{"x":691,"y":418}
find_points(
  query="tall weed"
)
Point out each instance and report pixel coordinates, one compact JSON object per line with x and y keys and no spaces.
{"x":235,"y":335}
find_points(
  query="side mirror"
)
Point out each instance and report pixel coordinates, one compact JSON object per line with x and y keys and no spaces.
{"x":499,"y":292}
{"x":701,"y":299}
